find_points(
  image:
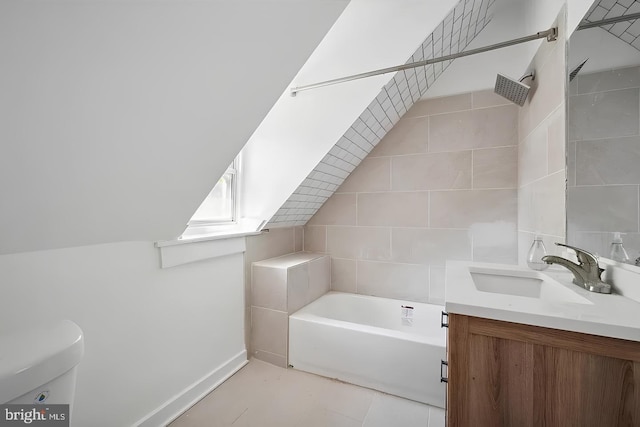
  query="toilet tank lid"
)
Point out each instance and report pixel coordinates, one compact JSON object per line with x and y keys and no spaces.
{"x":36,"y":355}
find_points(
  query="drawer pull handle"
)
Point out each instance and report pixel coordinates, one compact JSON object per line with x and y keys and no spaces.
{"x":442,"y":322}
{"x":444,"y":379}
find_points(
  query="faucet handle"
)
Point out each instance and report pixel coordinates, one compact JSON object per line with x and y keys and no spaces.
{"x":584,"y":257}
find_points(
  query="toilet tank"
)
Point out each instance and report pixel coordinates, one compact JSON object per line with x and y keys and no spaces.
{"x":38,"y":364}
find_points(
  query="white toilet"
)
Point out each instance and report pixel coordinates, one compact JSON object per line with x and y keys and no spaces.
{"x":38,"y":365}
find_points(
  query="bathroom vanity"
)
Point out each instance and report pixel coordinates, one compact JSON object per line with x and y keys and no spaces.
{"x":527,"y":348}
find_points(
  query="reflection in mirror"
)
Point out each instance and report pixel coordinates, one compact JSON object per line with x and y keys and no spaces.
{"x":603,"y":146}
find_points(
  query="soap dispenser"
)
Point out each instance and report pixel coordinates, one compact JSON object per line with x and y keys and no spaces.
{"x":617,"y":252}
{"x":536,"y":252}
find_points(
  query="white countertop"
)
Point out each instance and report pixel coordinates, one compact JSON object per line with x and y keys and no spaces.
{"x":608,"y":315}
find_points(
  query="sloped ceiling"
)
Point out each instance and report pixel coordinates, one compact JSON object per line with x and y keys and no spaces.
{"x":117,"y":117}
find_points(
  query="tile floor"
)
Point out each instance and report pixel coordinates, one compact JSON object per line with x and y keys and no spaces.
{"x":263,"y":395}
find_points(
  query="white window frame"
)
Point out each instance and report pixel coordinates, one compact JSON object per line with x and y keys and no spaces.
{"x":234,"y":170}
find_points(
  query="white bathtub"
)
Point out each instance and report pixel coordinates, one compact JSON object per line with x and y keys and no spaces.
{"x":362,"y":340}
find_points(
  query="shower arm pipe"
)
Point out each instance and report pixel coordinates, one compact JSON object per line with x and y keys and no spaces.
{"x":550,"y":34}
{"x":614,"y":20}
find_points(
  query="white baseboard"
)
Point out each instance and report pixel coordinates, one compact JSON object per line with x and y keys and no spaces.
{"x":174,"y":407}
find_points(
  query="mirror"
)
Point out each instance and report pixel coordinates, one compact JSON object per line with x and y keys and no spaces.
{"x":603,"y":132}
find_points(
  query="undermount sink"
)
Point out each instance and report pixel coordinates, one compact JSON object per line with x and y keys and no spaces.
{"x":523,"y":283}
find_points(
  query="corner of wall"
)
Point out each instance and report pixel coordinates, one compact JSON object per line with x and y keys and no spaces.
{"x":541,"y":148}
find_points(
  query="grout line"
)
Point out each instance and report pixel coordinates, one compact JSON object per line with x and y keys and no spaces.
{"x":429,"y":209}
{"x":472,"y":186}
{"x":561,"y":105}
{"x":540,"y":179}
{"x":357,"y":195}
{"x":578,"y":93}
{"x":326,"y":239}
{"x":407,"y":227}
{"x":356,"y":284}
{"x":429,"y":283}
{"x":446,"y":151}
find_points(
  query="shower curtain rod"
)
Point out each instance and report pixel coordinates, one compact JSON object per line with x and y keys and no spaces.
{"x":630,"y":17}
{"x":550,"y":34}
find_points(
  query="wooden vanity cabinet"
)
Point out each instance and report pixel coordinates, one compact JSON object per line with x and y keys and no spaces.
{"x":508,"y":374}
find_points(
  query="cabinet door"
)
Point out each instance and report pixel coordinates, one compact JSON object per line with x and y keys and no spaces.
{"x":503,"y":374}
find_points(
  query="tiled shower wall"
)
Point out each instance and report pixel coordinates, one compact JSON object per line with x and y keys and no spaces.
{"x":274,"y":243}
{"x":604,"y":160}
{"x":441,"y":185}
{"x":541,"y":149}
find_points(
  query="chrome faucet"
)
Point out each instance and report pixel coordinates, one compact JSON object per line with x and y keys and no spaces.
{"x":586,"y":273}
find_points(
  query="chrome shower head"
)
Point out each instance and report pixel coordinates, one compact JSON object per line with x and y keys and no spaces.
{"x":513,"y":90}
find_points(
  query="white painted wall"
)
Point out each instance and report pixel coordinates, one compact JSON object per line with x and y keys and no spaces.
{"x":149,"y":332}
{"x":299,"y":131}
{"x":118,"y":117}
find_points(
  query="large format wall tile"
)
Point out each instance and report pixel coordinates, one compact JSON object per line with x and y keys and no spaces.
{"x":548,"y":91}
{"x":532,"y":156}
{"x":556,"y":142}
{"x":603,"y":208}
{"x":315,"y":238}
{"x":373,"y":174}
{"x":541,"y":205}
{"x":465,"y":208}
{"x":319,"y":278}
{"x":269,"y":330}
{"x":268,"y":288}
{"x":343,"y":275}
{"x":371,"y":243}
{"x":481,"y":128}
{"x":437,"y":171}
{"x":410,"y":209}
{"x":338,"y":210}
{"x":603,"y":81}
{"x":298,"y":286}
{"x":446,"y":104}
{"x":430,"y":246}
{"x":488,"y":98}
{"x":408,"y":136}
{"x":608,"y":161}
{"x":604,"y":115}
{"x":495,"y":242}
{"x":391,"y":280}
{"x":495,"y":168}
{"x":436,"y":285}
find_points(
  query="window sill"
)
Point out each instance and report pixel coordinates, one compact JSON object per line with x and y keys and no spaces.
{"x":198,"y":248}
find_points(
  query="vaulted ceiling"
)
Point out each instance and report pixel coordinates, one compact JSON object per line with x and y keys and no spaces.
{"x":117,"y":117}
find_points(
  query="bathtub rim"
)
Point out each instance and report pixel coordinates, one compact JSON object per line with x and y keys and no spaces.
{"x":431,"y":339}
